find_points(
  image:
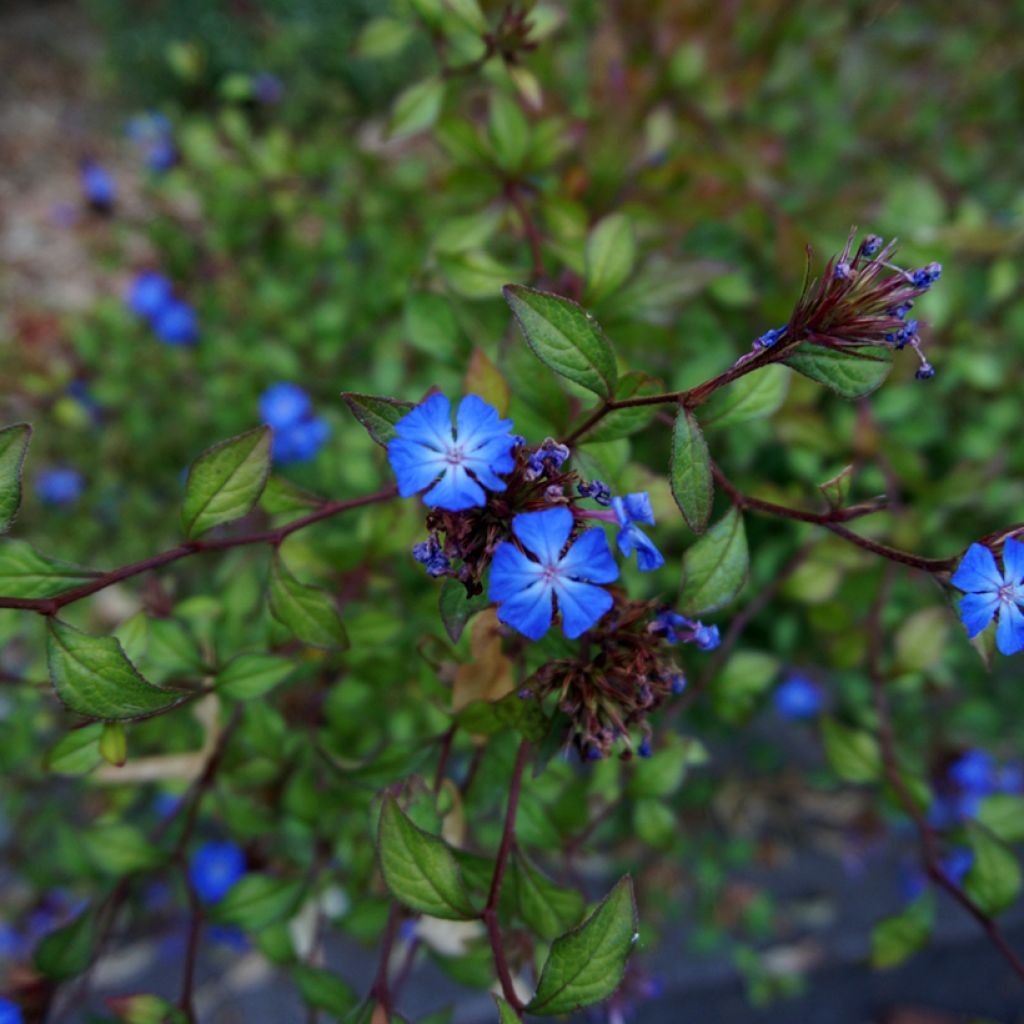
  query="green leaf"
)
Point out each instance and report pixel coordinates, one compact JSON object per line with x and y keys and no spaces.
{"x":248,"y":676}
{"x":662,"y":774}
{"x":849,"y":372}
{"x":547,"y":908}
{"x":475,"y":273}
{"x":324,"y":989}
{"x":715,"y":568}
{"x":736,"y":691}
{"x":416,"y":108}
{"x":308,"y":612}
{"x":623,"y":422}
{"x":837,"y":488}
{"x":419,"y":868}
{"x":994,"y":879}
{"x":921,"y":639}
{"x":145,"y":1008}
{"x":457,"y":608}
{"x":506,"y":1015}
{"x":900,"y":936}
{"x":509,"y":132}
{"x":225,"y":482}
{"x":256,"y":901}
{"x":26,"y":573}
{"x":78,"y":752}
{"x":586,"y":965}
{"x":483,"y":717}
{"x":1003,"y":815}
{"x":13,"y":448}
{"x":565,"y":337}
{"x":853,"y":753}
{"x":753,"y":396}
{"x":68,"y":951}
{"x":378,"y":415}
{"x":93,"y":676}
{"x":120,"y":849}
{"x":610,"y":255}
{"x":282,"y":497}
{"x":690,"y":471}
{"x":430,"y":326}
{"x":383,"y":37}
{"x":114,"y":744}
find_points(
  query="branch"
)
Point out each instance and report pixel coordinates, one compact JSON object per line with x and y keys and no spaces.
{"x":513,"y":193}
{"x":490,"y":911}
{"x":929,"y":839}
{"x":52,"y":605}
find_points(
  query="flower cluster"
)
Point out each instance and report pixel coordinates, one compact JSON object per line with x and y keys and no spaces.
{"x":993,"y":593}
{"x":498,"y":503}
{"x":298,"y":432}
{"x":151,"y":296}
{"x":861,"y":300}
{"x":153,"y":135}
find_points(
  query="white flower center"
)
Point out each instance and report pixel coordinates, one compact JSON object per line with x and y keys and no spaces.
{"x":455,"y":456}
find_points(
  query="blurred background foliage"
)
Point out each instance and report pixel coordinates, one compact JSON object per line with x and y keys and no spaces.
{"x":343,"y":213}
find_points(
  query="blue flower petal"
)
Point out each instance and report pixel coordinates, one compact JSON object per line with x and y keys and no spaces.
{"x":1010,"y":632}
{"x":511,"y":572}
{"x":648,"y":557}
{"x":634,"y":508}
{"x":477,"y":422}
{"x":590,"y":559}
{"x":529,"y":611}
{"x":490,"y":459}
{"x":544,"y":533}
{"x":429,"y":424}
{"x":455,"y":491}
{"x":415,"y":466}
{"x":581,"y":604}
{"x":978,"y":571}
{"x":1013,"y":562}
{"x":976,"y":611}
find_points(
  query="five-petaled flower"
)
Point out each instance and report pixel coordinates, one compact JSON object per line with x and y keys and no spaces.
{"x":630,"y":510}
{"x":467,"y":459}
{"x":525,"y":588}
{"x":989,"y":592}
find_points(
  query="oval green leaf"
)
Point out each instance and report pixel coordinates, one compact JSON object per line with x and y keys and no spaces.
{"x":750,"y":397}
{"x":849,"y":372}
{"x":690,"y":471}
{"x":378,"y":415}
{"x":256,"y":901}
{"x":252,"y":675}
{"x":226,"y":481}
{"x":13,"y":448}
{"x":68,"y":951}
{"x":26,"y":573}
{"x":586,"y":965}
{"x":994,"y":879}
{"x":715,"y":568}
{"x":610,"y":255}
{"x":308,"y":612}
{"x":565,"y":337}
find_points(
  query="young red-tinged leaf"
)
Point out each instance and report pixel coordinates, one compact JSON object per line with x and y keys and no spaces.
{"x":486,"y":381}
{"x":586,"y":965}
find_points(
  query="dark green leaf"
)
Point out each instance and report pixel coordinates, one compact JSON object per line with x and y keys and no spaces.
{"x":1003,"y":815}
{"x":120,"y":849}
{"x":67,"y":951}
{"x":850,"y":372}
{"x":715,"y":568}
{"x":93,"y":676}
{"x":565,"y":337}
{"x":610,"y":255}
{"x":752,"y":396}
{"x":419,"y":868}
{"x":225,"y":482}
{"x":853,"y":753}
{"x":13,"y":447}
{"x":547,"y":908}
{"x":252,"y":675}
{"x":509,"y":132}
{"x":78,"y":752}
{"x":324,"y":990}
{"x":690,"y":471}
{"x":378,"y":415}
{"x":308,"y":612}
{"x":417,"y":108}
{"x":457,"y":608}
{"x":586,"y":965}
{"x":900,"y":936}
{"x":26,"y":573}
{"x":506,"y":1015}
{"x":994,"y":879}
{"x":256,"y":901}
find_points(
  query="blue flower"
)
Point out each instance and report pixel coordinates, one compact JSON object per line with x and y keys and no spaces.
{"x":214,"y":869}
{"x":644,"y":750}
{"x":283,"y":404}
{"x":974,"y":772}
{"x":769,"y":338}
{"x":989,"y":592}
{"x":176,"y":324}
{"x":161,"y":155}
{"x":525,"y":587}
{"x":678,"y":628}
{"x":149,"y":293}
{"x":596,"y":489}
{"x":630,"y":510}
{"x":10,"y":1013}
{"x":59,"y":486}
{"x":927,"y":276}
{"x":549,"y":458}
{"x":300,"y":441}
{"x":797,"y":697}
{"x":474,"y":454}
{"x":97,"y":185}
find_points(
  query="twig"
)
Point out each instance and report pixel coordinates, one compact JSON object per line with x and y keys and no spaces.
{"x":513,"y":192}
{"x":929,"y":839}
{"x":52,"y":605}
{"x":490,"y":911}
{"x":380,"y":990}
